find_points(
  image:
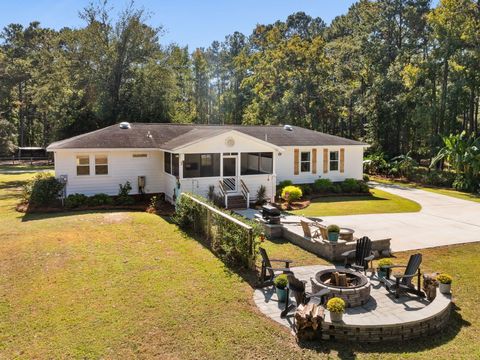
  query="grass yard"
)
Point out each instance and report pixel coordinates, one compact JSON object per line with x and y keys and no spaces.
{"x":379,"y":202}
{"x":443,"y":191}
{"x":131,"y":285}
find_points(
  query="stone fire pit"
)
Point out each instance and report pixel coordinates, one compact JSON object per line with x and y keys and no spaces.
{"x":353,"y":287}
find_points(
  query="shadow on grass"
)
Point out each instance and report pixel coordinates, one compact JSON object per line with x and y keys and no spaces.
{"x":59,"y":214}
{"x":349,"y":350}
{"x":333,"y":199}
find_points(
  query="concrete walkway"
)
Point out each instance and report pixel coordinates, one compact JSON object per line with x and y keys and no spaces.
{"x":443,"y":220}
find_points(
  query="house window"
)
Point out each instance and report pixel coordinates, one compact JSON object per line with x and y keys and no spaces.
{"x":201,"y":165}
{"x":101,"y":165}
{"x":305,"y":161}
{"x":333,"y":160}
{"x":175,"y":164}
{"x":256,"y":163}
{"x":167,"y":166}
{"x":139,"y":155}
{"x":83,"y":165}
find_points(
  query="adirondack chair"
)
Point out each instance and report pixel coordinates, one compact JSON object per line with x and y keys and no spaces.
{"x":361,"y":255}
{"x":268,"y":272}
{"x":307,"y":232}
{"x":403,"y":283}
{"x":297,"y":288}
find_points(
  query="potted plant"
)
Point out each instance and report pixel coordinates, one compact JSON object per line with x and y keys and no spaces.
{"x":382,"y":267}
{"x":336,"y":306}
{"x":333,"y":232}
{"x":281,"y":283}
{"x":445,"y":283}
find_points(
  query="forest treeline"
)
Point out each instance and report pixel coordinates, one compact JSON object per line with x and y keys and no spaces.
{"x":395,"y":73}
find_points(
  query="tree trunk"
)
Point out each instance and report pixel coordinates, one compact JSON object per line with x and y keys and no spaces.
{"x":443,"y":102}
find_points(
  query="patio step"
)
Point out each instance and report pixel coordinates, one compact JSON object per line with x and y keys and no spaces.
{"x":236,"y":202}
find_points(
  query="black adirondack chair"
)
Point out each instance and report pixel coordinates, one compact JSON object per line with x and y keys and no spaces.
{"x":268,"y":272}
{"x":403,"y":283}
{"x":297,"y":288}
{"x":360,"y":256}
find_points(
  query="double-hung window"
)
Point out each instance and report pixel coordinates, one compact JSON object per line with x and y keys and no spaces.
{"x":305,"y":161}
{"x":101,"y":165}
{"x":83,"y":165}
{"x":333,"y":160}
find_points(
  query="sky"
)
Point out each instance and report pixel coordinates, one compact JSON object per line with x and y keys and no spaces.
{"x":195,"y":23}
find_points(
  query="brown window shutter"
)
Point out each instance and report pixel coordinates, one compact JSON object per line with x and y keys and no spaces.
{"x":296,"y":161}
{"x":325,"y":161}
{"x":314,"y":161}
{"x":342,"y":160}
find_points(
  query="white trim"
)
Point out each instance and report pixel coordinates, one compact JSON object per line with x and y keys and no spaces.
{"x":235,"y":132}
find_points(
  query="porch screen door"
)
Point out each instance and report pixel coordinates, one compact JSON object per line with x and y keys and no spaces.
{"x":230,"y":173}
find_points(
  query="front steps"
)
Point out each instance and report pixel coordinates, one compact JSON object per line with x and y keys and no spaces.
{"x":236,"y":202}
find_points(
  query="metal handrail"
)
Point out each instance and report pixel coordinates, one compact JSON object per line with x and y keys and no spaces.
{"x":223,"y":192}
{"x":245,"y":192}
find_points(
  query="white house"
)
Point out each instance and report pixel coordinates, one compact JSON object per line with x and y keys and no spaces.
{"x":171,"y":158}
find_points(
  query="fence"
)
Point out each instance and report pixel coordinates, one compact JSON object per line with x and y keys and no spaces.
{"x":16,"y":160}
{"x":230,"y":238}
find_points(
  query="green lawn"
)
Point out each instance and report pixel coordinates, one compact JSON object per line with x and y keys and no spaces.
{"x":25,"y":167}
{"x":443,"y":191}
{"x":379,"y":202}
{"x":130,"y":285}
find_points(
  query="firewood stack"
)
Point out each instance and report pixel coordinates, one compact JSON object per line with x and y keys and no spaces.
{"x":308,"y":320}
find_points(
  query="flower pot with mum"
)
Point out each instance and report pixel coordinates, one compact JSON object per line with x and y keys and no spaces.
{"x":336,"y":307}
{"x":333,"y":232}
{"x":281,"y":282}
{"x":383,"y":265}
{"x":445,"y":283}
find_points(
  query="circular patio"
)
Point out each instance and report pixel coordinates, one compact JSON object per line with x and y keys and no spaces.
{"x":381,"y":318}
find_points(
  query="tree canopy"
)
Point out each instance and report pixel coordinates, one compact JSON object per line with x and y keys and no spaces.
{"x":395,"y":73}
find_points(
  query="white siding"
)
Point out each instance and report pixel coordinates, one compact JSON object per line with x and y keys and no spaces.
{"x":200,"y":186}
{"x":122,"y":167}
{"x":353,"y":165}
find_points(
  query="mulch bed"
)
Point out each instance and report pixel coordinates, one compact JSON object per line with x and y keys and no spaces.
{"x":163,"y":209}
{"x":299,"y":205}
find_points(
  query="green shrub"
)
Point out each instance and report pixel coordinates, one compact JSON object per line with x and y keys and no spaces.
{"x":281,"y":281}
{"x":336,"y":305}
{"x":444,"y":279}
{"x":306,"y":189}
{"x":375,"y":164}
{"x":323,"y":186}
{"x":363,"y":187}
{"x":291,"y":193}
{"x":123,"y":191}
{"x":384,"y":262}
{"x":350,"y":186}
{"x":261,"y":195}
{"x":75,"y":200}
{"x":366,"y":178}
{"x":333,"y":229}
{"x":336,"y":188}
{"x":99,"y":200}
{"x":44,"y":189}
{"x":282,"y":184}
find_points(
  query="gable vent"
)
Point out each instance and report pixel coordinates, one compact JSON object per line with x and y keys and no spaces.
{"x":124,"y":125}
{"x":288,"y":127}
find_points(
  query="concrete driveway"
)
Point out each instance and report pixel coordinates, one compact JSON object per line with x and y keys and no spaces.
{"x":443,"y":220}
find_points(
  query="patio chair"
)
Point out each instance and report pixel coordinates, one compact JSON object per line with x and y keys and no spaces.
{"x":267,"y":279}
{"x":307,"y":232}
{"x":361,"y":256}
{"x":403,"y":283}
{"x":297,"y":288}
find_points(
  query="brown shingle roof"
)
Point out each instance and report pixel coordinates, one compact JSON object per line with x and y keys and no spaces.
{"x":172,"y":136}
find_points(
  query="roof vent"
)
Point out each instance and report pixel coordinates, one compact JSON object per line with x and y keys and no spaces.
{"x":124,"y":125}
{"x":288,"y":127}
